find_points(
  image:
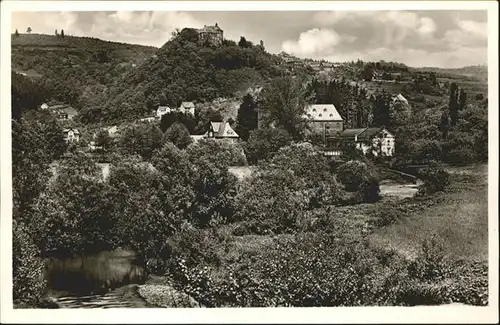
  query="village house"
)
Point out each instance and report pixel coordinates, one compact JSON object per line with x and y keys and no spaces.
{"x":186,"y":108}
{"x":64,"y":112}
{"x":212,"y":35}
{"x":399,"y":100}
{"x":376,"y":140}
{"x":162,"y":110}
{"x":324,"y":119}
{"x":221,"y":131}
{"x":44,"y":107}
{"x":113,"y":131}
{"x":71,"y":135}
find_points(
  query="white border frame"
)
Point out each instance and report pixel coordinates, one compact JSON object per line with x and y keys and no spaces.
{"x":455,"y":314}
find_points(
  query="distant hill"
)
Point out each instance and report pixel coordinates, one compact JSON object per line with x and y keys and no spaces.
{"x":115,"y":81}
{"x":71,"y":68}
{"x":477,"y":72}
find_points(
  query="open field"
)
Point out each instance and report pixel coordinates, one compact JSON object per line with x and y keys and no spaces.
{"x":460,"y":221}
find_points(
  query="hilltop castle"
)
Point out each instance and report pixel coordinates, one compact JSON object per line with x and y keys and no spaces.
{"x":212,"y":35}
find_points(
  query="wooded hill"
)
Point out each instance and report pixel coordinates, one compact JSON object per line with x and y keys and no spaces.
{"x":108,"y":81}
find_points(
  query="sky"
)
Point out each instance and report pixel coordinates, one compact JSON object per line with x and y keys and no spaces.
{"x":438,"y":38}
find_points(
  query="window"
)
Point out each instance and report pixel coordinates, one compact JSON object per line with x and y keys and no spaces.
{"x":320,"y":115}
{"x":324,"y":109}
{"x":314,"y":110}
{"x":331,"y":115}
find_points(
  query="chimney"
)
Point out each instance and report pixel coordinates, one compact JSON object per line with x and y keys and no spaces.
{"x":216,"y":25}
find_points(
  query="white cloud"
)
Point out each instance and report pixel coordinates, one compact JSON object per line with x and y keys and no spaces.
{"x":427,"y":26}
{"x":316,"y":42}
{"x":474,"y":28}
{"x":313,"y":42}
{"x":469,"y":34}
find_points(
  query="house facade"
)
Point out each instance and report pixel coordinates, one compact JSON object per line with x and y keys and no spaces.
{"x":162,"y":110}
{"x":377,"y":141}
{"x":186,"y":108}
{"x":212,"y":35}
{"x":71,"y":135}
{"x":44,"y":107}
{"x":324,"y":119}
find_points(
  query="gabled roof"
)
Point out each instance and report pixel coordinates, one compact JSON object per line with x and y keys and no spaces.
{"x":223,"y":130}
{"x":112,"y":130}
{"x":400,"y":97}
{"x":363,"y":134}
{"x":75,"y":131}
{"x":348,"y":133}
{"x":322,"y":112}
{"x":163,"y":108}
{"x":369,"y":133}
{"x":187,"y":104}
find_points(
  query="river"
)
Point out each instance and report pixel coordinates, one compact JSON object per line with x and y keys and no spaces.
{"x":104,"y":280}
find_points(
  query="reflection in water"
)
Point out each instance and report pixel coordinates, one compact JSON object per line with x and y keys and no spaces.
{"x":82,"y":275}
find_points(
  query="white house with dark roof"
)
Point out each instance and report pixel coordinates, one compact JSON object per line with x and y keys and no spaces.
{"x":71,"y":135}
{"x":221,"y":131}
{"x":377,"y":140}
{"x":324,"y":119}
{"x":44,"y":106}
{"x":186,"y":108}
{"x":162,"y":110}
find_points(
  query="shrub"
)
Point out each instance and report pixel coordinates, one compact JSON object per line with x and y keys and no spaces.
{"x":178,"y":134}
{"x":435,"y":179}
{"x":356,"y":177}
{"x":75,"y":214}
{"x":265,"y":142}
{"x":28,"y":282}
{"x":273,"y":199}
{"x":224,"y":153}
{"x":213,"y":184}
{"x":165,"y":296}
{"x":194,"y":246}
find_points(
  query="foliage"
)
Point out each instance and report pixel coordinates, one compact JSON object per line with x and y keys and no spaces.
{"x":27,"y":267}
{"x":214,"y":185}
{"x":247,"y":117}
{"x":225,"y":153}
{"x":263,"y":143}
{"x":142,"y":139}
{"x":276,"y":198}
{"x":26,"y":95}
{"x":152,"y":207}
{"x":435,"y":179}
{"x":104,"y":140}
{"x":356,"y":177}
{"x":74,"y":214}
{"x":34,"y":145}
{"x":169,"y":119}
{"x":284,"y":101}
{"x":178,"y":134}
{"x":165,"y":296}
